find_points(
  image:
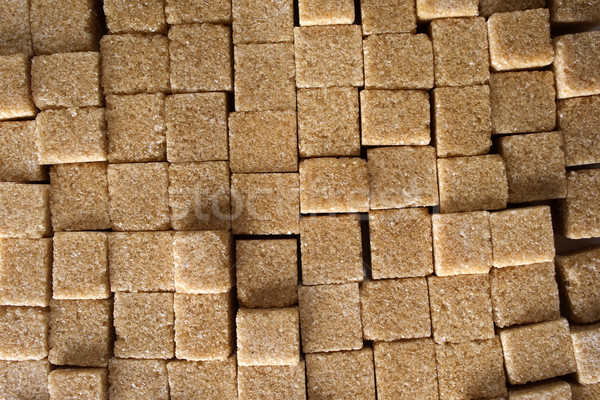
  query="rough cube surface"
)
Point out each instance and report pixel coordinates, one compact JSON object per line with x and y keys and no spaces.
{"x":586,"y":344}
{"x":551,"y":390}
{"x":24,"y":379}
{"x":78,"y":384}
{"x":577,"y":65}
{"x":18,"y":153}
{"x":578,"y":216}
{"x":24,"y":333}
{"x":579,"y":121}
{"x":15,"y":29}
{"x":489,"y":7}
{"x":268,"y":382}
{"x":188,"y":11}
{"x":584,"y":392}
{"x":431,"y":9}
{"x":144,"y":16}
{"x":142,"y":379}
{"x":388,"y":16}
{"x":266,"y":21}
{"x":203,"y":380}
{"x":574,"y":11}
{"x":326,"y":12}
{"x":24,"y":210}
{"x":15,"y":95}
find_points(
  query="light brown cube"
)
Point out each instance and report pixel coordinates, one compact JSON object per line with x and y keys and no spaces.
{"x":520,"y":39}
{"x":524,"y":294}
{"x":395,"y":117}
{"x":471,"y":370}
{"x":15,"y":94}
{"x":24,"y":333}
{"x":136,"y":128}
{"x":253,"y":199}
{"x":586,"y":345}
{"x":330,"y":318}
{"x":344,"y":373}
{"x":24,"y":379}
{"x":79,"y":197}
{"x":432,"y":9}
{"x":266,"y":21}
{"x":25,"y":269}
{"x":268,"y":382}
{"x":578,"y":215}
{"x":577,"y":65}
{"x":400,"y":243}
{"x":388,"y":16}
{"x":398,"y":61}
{"x":267,"y":272}
{"x":331,"y":249}
{"x":80,"y":332}
{"x":489,"y":7}
{"x":139,"y":198}
{"x":196,"y":127}
{"x":326,"y":12}
{"x":203,"y":380}
{"x":551,"y":390}
{"x":538,"y":351}
{"x":140,"y":261}
{"x":15,"y":29}
{"x":18,"y":153}
{"x":144,"y":325}
{"x":203,"y":262}
{"x":574,"y":12}
{"x":66,"y":80}
{"x":402,"y":177}
{"x":268,"y":336}
{"x":264,"y":77}
{"x":578,"y":276}
{"x":204,"y":326}
{"x":134,"y":63}
{"x":328,"y":56}
{"x":406,"y":369}
{"x":395,"y":309}
{"x":143,"y":16}
{"x":463,"y":125}
{"x":80,"y":266}
{"x":24,"y":211}
{"x":188,"y":11}
{"x":78,"y":384}
{"x":522,"y":236}
{"x":138,"y":379}
{"x":585,"y":392}
{"x":462,"y":243}
{"x":579,"y":121}
{"x":328,"y":122}
{"x":522,"y":102}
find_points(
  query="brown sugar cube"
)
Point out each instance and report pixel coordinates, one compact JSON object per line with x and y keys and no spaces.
{"x":406,"y":369}
{"x":524,"y":294}
{"x":326,"y":12}
{"x":199,"y":196}
{"x":578,"y":276}
{"x":398,"y":61}
{"x":74,"y":135}
{"x":538,"y":351}
{"x":577,"y":65}
{"x":585,"y":392}
{"x":574,"y":12}
{"x":15,"y":94}
{"x":15,"y":30}
{"x":80,"y":266}
{"x":331,"y":248}
{"x":18,"y":153}
{"x":395,"y":309}
{"x":522,"y":236}
{"x":330,"y":318}
{"x":203,"y":262}
{"x":268,"y":336}
{"x":140,"y":261}
{"x":265,"y":21}
{"x":24,"y":210}
{"x":586,"y":345}
{"x":24,"y":379}
{"x":395,"y":117}
{"x":328,"y":56}
{"x":551,"y":390}
{"x":264,"y":77}
{"x":144,"y":325}
{"x":471,"y":370}
{"x":341,"y":374}
{"x":78,"y":384}
{"x":402,"y":177}
{"x":253,"y":199}
{"x":520,"y":39}
{"x":203,"y":380}
{"x":489,"y":7}
{"x":460,"y":51}
{"x":522,"y":101}
{"x":24,"y":333}
{"x":578,"y":214}
{"x":267,"y":382}
{"x":535,"y":166}
{"x":204,"y":326}
{"x":126,"y":16}
{"x":329,"y":185}
{"x":400,"y":243}
{"x":79,"y":197}
{"x":461,"y":308}
{"x":328,"y":122}
{"x":462,"y":243}
{"x":200,"y":58}
{"x":432,"y":9}
{"x":263,"y":141}
{"x":472,"y":183}
{"x":196,"y":127}
{"x":25,"y":268}
{"x":133,"y":64}
{"x":189,"y":11}
{"x":138,"y":379}
{"x":388,"y":16}
{"x":463,"y":125}
{"x":139,"y":198}
{"x":579,"y":121}
{"x":80,"y":332}
{"x":267,"y":272}
{"x":136,"y":128}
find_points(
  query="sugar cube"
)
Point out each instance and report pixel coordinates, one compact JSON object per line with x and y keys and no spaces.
{"x":15,"y":30}
{"x":18,"y":153}
{"x":24,"y":210}
{"x":579,"y":121}
{"x":551,"y":390}
{"x":573,"y":12}
{"x":203,"y":380}
{"x":578,"y":216}
{"x":267,"y":382}
{"x":431,"y":9}
{"x":24,"y":333}
{"x":489,"y":7}
{"x":188,"y":11}
{"x":24,"y":379}
{"x":585,"y":392}
{"x":586,"y":345}
{"x":138,"y":379}
{"x":126,"y":16}
{"x":265,"y":21}
{"x":577,"y":64}
{"x":326,"y":12}
{"x":78,"y":384}
{"x":388,"y":16}
{"x":15,"y":94}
